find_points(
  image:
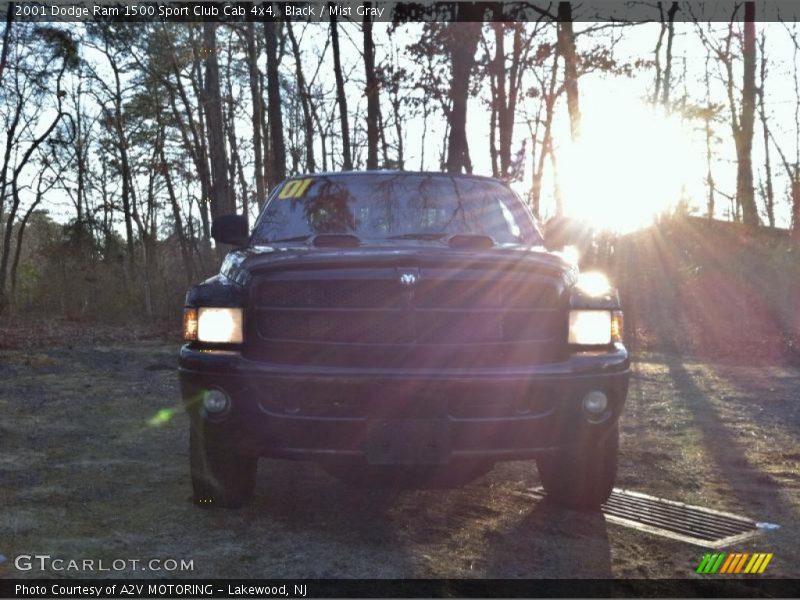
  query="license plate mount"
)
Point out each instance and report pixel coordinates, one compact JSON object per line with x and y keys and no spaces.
{"x":408,"y":442}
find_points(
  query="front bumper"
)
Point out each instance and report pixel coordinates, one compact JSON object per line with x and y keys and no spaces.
{"x":321,"y":413}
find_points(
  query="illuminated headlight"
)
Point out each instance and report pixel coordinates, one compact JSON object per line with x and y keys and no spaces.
{"x":213,"y":325}
{"x":594,"y":284}
{"x":590,"y":327}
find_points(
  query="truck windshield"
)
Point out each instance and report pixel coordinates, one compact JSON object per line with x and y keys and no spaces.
{"x":395,"y":206}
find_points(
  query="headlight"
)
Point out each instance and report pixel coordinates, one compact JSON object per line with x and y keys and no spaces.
{"x":594,"y":327}
{"x":593,"y":284}
{"x":213,"y":325}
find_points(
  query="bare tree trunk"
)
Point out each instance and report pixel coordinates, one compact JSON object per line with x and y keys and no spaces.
{"x":195,"y":145}
{"x":277,"y":171}
{"x":493,"y":134}
{"x":305,"y":101}
{"x":493,"y":105}
{"x":507,"y":83}
{"x":549,"y":95}
{"x":499,"y":104}
{"x":186,"y":255}
{"x":769,"y":194}
{"x":236,"y":168}
{"x":265,"y":135}
{"x":124,"y":163}
{"x":20,"y":235}
{"x":106,"y":204}
{"x":657,"y":56}
{"x":795,"y":192}
{"x":463,"y":38}
{"x":372,"y":92}
{"x":222,"y":202}
{"x":147,"y":235}
{"x":16,"y":199}
{"x":556,"y":184}
{"x":566,"y":48}
{"x":394,"y":84}
{"x":6,"y":40}
{"x":252,"y":69}
{"x":444,"y":152}
{"x":793,"y":174}
{"x":514,"y":84}
{"x":534,"y":203}
{"x":198,"y":85}
{"x":398,"y":127}
{"x":424,"y":136}
{"x":709,"y":151}
{"x":80,"y":158}
{"x":744,"y":187}
{"x":229,"y":127}
{"x":666,"y":88}
{"x":341,"y":99}
{"x":382,"y":126}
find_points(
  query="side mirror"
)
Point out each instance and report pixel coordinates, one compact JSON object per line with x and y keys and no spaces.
{"x":230,"y":229}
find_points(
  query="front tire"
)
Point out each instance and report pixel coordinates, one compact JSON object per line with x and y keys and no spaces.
{"x":581,"y":477}
{"x":221,"y":476}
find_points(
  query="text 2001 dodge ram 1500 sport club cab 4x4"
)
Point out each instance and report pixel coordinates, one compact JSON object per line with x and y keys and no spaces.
{"x":403,"y":323}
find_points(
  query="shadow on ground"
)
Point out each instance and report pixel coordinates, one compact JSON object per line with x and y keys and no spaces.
{"x":85,"y":474}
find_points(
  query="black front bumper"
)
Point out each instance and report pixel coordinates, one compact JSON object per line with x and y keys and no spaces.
{"x":320,"y":413}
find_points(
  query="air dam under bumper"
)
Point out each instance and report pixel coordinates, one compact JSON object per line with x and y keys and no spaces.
{"x":400,"y":416}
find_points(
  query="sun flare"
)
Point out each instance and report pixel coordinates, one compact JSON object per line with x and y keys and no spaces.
{"x":631,"y":163}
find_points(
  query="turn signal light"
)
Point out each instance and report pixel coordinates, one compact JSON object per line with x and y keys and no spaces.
{"x":190,"y":324}
{"x":617,"y":326}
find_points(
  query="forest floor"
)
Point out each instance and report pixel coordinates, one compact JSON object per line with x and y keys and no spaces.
{"x":85,"y":472}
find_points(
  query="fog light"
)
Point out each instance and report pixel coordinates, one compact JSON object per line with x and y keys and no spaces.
{"x":216,"y":401}
{"x":595,"y":402}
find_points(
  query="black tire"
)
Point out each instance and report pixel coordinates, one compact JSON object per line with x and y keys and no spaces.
{"x":581,"y":477}
{"x":221,"y":477}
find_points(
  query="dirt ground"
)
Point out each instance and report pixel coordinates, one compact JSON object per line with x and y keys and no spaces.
{"x":87,"y":472}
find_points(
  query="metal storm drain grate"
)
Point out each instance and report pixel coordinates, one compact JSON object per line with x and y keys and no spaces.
{"x":692,"y":524}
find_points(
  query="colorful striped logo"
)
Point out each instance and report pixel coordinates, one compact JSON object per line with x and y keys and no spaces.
{"x":735,"y":562}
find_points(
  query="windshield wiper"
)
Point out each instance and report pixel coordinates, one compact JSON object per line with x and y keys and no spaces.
{"x":421,"y":235}
{"x":297,"y":238}
{"x":323,"y":239}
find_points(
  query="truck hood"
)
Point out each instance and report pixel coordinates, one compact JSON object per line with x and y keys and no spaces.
{"x":241,"y":265}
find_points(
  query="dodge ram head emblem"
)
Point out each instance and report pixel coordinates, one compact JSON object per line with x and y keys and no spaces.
{"x":408,"y":279}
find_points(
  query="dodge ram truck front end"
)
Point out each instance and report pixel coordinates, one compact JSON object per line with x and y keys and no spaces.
{"x":401,"y":322}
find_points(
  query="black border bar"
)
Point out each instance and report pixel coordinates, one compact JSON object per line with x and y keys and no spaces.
{"x":165,"y":11}
{"x":705,"y":587}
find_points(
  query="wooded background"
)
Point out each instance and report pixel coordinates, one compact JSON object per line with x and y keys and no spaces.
{"x":122,"y":141}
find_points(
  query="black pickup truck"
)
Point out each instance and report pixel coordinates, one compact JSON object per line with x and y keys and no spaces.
{"x":395,"y":325}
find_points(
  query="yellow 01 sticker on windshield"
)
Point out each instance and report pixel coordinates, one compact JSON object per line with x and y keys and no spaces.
{"x":295,"y":189}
